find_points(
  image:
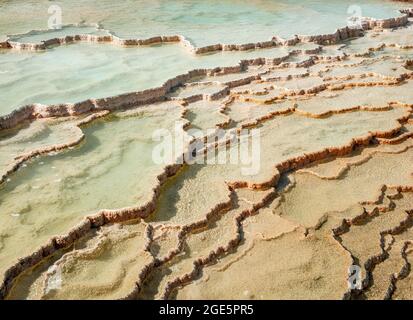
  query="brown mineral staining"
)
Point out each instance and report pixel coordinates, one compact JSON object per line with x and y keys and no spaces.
{"x":334,"y":188}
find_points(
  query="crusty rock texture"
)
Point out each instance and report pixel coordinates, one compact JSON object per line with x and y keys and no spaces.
{"x":334,"y":189}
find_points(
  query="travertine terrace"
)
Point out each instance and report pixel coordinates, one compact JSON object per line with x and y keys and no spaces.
{"x":86,"y":213}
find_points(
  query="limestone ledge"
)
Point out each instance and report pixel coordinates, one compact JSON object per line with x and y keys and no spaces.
{"x":19,"y":160}
{"x":408,"y":11}
{"x":119,"y":215}
{"x":376,"y":259}
{"x":94,"y":221}
{"x":181,"y":237}
{"x":330,"y":83}
{"x":313,"y":91}
{"x":122,"y":101}
{"x":104,"y":106}
{"x":220,"y":251}
{"x":140,"y":277}
{"x":404,"y":271}
{"x":339,"y":35}
{"x":132,"y":99}
{"x":344,"y":169}
{"x":128,"y":213}
{"x":216,"y":253}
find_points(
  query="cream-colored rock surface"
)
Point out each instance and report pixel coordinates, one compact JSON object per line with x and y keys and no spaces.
{"x":327,"y":186}
{"x":89,"y":271}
